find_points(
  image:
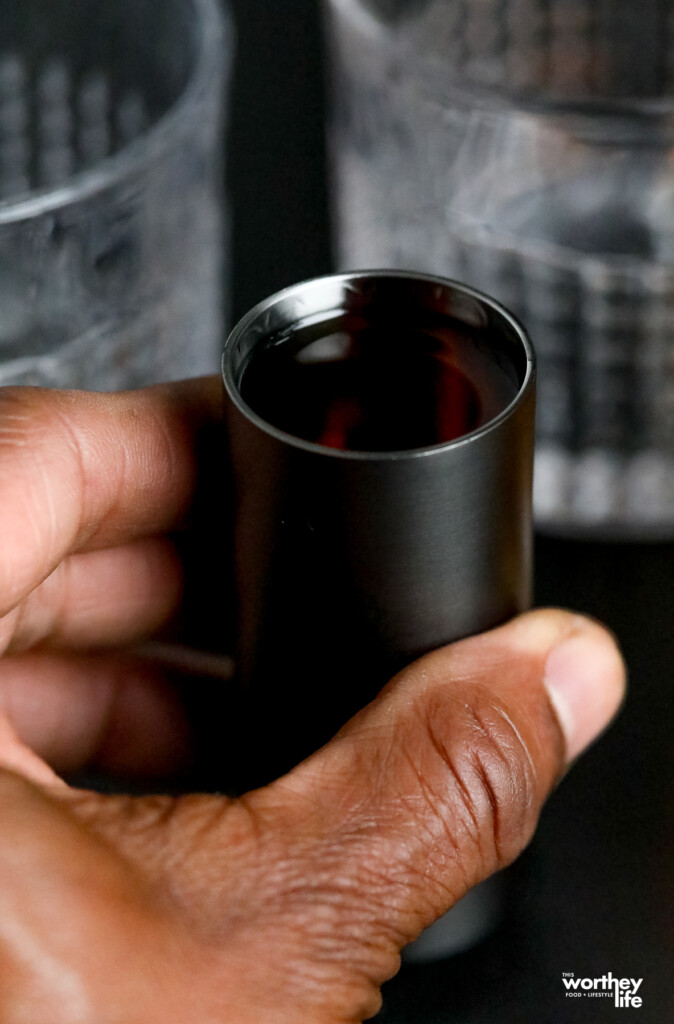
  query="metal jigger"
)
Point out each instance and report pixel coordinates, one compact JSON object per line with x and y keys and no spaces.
{"x":350,"y":564}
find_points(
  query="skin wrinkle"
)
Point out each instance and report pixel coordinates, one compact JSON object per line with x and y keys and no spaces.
{"x":321,"y":874}
{"x":141,"y":818}
{"x":146,"y":840}
{"x":176,"y":833}
{"x":380,"y":754}
{"x":12,"y":436}
{"x":437,"y":724}
{"x":484,"y":778}
{"x":94,"y":513}
{"x":485,"y":788}
{"x":35,"y":472}
{"x":44,"y":613}
{"x":379,"y":866}
{"x":170,"y":447}
{"x":447,"y":808}
{"x":381,"y":860}
{"x":326,"y":935}
{"x":529,"y":772}
{"x":357,"y":846}
{"x":436,"y":804}
{"x":509,"y":778}
{"x":428,"y":878}
{"x":123,"y":475}
{"x":153,"y":468}
{"x":455,"y":775}
{"x":7,"y":628}
{"x":173,"y":438}
{"x":78,"y":467}
{"x":361,"y":860}
{"x":332,"y":928}
{"x":194,"y":828}
{"x":37,"y":539}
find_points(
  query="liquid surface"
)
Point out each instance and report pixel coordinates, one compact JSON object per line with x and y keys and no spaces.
{"x":357,"y":387}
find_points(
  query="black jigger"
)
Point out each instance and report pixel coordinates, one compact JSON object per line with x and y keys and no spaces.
{"x":351,"y":562}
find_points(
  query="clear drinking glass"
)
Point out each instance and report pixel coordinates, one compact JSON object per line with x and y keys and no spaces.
{"x":111,"y":220}
{"x":525,"y":147}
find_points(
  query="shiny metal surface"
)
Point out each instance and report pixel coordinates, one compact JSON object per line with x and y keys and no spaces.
{"x":351,"y":564}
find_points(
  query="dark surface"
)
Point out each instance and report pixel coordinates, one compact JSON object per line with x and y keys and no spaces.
{"x":595,"y":891}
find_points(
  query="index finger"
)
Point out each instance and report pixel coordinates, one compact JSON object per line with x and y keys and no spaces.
{"x":80,"y":471}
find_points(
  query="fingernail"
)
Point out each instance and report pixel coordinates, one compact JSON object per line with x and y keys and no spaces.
{"x":585,"y":678}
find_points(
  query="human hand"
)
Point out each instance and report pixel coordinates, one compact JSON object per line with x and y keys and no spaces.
{"x":93,"y":490}
{"x":292,"y":903}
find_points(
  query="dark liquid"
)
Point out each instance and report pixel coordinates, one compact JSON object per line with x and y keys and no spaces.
{"x":353,"y":386}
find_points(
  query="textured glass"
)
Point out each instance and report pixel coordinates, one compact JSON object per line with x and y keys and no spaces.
{"x":111,"y":220}
{"x":525,"y":147}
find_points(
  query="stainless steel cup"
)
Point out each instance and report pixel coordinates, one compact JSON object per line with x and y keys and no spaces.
{"x":350,"y":564}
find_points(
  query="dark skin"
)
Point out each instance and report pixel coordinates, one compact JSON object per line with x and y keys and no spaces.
{"x":292,"y":903}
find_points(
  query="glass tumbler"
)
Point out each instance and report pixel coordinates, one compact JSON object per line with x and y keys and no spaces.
{"x":525,"y":147}
{"x":111,"y":218}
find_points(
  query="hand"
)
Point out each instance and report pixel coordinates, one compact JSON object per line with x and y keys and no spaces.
{"x":292,"y":903}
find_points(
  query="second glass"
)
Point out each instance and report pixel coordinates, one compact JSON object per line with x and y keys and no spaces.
{"x":111,"y":219}
{"x":526,"y":147}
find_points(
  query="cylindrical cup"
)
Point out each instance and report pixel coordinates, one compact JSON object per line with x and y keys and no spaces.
{"x":351,"y":563}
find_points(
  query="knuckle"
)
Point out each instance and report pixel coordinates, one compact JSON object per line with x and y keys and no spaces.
{"x":24,"y":414}
{"x":40,"y":616}
{"x":40,"y":421}
{"x":484,"y":788}
{"x":41,"y":468}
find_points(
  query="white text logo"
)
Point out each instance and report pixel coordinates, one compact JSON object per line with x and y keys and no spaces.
{"x":622,"y":990}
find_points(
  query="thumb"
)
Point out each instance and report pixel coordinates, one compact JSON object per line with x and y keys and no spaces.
{"x":440,"y":781}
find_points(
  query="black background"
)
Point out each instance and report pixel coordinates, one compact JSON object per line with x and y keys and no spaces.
{"x":595,"y":891}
